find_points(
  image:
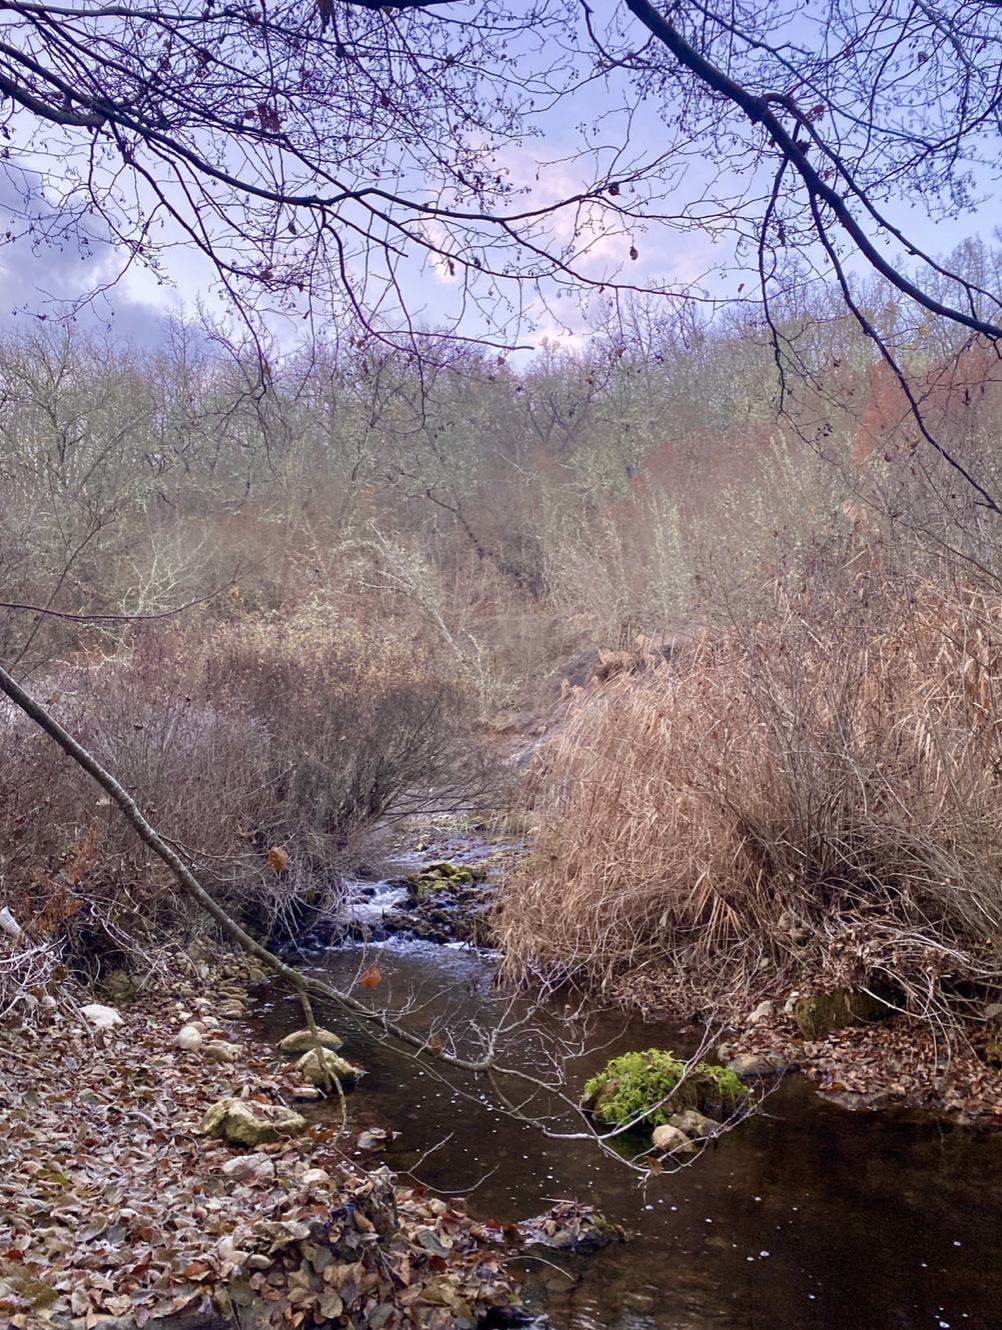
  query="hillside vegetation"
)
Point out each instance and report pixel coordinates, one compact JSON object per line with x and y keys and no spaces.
{"x":286,"y":600}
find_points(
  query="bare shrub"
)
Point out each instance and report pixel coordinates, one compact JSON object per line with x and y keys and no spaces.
{"x":255,"y":738}
{"x":361,"y":727}
{"x":819,"y":792}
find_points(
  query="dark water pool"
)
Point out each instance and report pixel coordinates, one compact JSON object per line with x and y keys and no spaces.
{"x":807,"y":1216}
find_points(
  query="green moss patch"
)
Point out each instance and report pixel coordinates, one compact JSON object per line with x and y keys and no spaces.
{"x":821,"y":1013}
{"x":649,"y":1087}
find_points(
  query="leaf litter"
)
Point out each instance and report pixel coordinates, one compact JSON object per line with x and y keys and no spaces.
{"x":113,"y":1204}
{"x":901,"y":1063}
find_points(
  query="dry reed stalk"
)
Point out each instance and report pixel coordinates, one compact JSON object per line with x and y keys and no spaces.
{"x":822,"y":792}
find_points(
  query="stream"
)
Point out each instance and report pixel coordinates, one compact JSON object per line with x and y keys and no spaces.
{"x":804,"y":1216}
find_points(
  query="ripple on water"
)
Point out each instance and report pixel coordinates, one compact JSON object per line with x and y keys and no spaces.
{"x":806,"y":1217}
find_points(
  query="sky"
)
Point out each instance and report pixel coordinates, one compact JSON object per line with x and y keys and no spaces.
{"x":37,"y":280}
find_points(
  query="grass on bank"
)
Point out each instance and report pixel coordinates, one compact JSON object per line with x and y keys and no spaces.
{"x":819,"y":793}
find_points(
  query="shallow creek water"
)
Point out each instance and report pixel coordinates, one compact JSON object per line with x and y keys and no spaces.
{"x":806,"y":1216}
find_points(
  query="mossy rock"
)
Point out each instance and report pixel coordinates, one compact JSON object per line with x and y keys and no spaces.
{"x":120,"y":986}
{"x":461,"y":878}
{"x":309,"y":1067}
{"x":993,"y":1047}
{"x":251,"y":1125}
{"x":647,"y":1088}
{"x":424,"y":885}
{"x":821,"y":1013}
{"x":302,"y":1041}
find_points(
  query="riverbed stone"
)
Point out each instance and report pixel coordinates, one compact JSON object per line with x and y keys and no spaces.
{"x":672,"y":1139}
{"x":240,"y":1122}
{"x":310,"y":1068}
{"x":219,"y":1050}
{"x":302,"y":1041}
{"x":758,"y":1066}
{"x":694,"y":1123}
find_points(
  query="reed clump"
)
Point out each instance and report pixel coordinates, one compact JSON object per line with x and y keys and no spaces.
{"x":818,"y":792}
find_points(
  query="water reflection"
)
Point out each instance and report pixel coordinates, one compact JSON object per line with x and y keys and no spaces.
{"x":808,"y":1216}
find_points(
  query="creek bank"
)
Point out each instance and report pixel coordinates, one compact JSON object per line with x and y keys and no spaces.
{"x":890,"y":1060}
{"x":118,"y":1210}
{"x":895,"y":1062}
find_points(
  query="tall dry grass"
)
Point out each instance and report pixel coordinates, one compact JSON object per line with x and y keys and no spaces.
{"x":821,"y":793}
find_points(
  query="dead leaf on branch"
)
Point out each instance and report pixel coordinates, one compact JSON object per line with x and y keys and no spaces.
{"x":278,"y":859}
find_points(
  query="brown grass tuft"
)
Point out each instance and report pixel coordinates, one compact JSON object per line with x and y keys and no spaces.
{"x":822,"y":792}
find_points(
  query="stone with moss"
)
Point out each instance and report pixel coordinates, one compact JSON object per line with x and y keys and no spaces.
{"x":336,"y":1068}
{"x":820,"y":1013}
{"x":302,"y":1041}
{"x":647,"y":1088}
{"x":993,"y":1045}
{"x":251,"y":1125}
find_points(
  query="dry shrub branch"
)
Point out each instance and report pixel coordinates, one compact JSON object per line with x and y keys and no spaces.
{"x":819,"y":792}
{"x":268,"y":750}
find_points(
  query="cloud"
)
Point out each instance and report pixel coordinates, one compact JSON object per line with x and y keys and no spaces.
{"x":52,"y":270}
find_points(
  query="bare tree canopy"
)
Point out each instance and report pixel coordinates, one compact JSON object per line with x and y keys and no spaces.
{"x":318,"y":155}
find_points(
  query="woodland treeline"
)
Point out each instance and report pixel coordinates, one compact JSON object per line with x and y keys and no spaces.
{"x":283,"y":598}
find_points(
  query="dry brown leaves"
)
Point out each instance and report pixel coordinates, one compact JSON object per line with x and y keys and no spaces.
{"x":898,"y":1063}
{"x":112,"y":1204}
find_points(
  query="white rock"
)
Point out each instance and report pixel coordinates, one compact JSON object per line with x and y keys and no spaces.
{"x":763,"y":1012}
{"x":189,"y":1039}
{"x":102,"y":1018}
{"x":376,"y":1139}
{"x":309,"y":1067}
{"x":672,"y":1139}
{"x":9,"y":925}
